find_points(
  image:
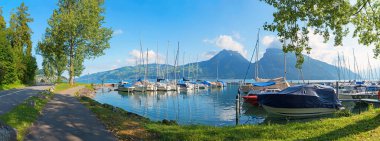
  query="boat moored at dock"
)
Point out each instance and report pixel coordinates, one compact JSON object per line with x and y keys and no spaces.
{"x":301,"y":101}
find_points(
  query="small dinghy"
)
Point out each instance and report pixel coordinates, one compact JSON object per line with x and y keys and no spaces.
{"x":301,"y":101}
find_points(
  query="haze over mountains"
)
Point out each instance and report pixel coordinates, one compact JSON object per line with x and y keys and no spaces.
{"x":229,"y":65}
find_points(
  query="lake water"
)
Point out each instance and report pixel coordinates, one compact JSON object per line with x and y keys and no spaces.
{"x":214,"y":107}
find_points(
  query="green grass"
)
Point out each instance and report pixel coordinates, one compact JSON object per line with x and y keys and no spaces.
{"x":63,"y":86}
{"x":365,"y":126}
{"x":23,"y":116}
{"x":125,"y":125}
{"x":12,"y":86}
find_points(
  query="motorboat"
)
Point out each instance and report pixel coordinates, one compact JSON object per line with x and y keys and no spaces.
{"x":301,"y":101}
{"x":125,"y":87}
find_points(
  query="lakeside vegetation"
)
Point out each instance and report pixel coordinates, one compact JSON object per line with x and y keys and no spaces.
{"x":24,"y":115}
{"x":11,"y":86}
{"x":128,"y":125}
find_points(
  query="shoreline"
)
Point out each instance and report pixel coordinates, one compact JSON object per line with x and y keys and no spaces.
{"x":126,"y":126}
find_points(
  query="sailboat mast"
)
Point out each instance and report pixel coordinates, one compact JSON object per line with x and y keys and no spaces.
{"x":257,"y":54}
{"x":344,"y":68}
{"x":188,"y":70}
{"x":157,"y":70}
{"x":175,"y":64}
{"x":370,"y":69}
{"x":217,"y":70}
{"x":141,"y":60}
{"x":349,"y":69}
{"x":197,"y":71}
{"x":183,"y":65}
{"x":146,"y":66}
{"x":356,"y":65}
{"x":338,"y":67}
{"x":167,"y":61}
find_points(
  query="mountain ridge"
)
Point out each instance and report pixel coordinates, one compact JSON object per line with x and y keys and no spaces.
{"x":229,"y":65}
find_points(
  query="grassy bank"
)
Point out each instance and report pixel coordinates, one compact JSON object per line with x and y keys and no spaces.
{"x":23,"y":116}
{"x":125,"y":125}
{"x":11,"y":86}
{"x":128,"y":125}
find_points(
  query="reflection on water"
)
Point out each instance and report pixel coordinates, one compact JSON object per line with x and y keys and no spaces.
{"x":210,"y":107}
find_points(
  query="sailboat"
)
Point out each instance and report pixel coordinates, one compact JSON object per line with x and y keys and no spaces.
{"x":262,"y":85}
{"x":162,"y":84}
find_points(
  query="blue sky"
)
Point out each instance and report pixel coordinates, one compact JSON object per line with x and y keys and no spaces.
{"x":203,"y":27}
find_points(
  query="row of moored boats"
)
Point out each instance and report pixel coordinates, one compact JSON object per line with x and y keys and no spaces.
{"x":165,"y":85}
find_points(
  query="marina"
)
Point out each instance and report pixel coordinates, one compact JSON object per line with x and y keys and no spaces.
{"x":216,"y":106}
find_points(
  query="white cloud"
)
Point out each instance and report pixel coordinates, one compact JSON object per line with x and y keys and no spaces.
{"x":271,"y":41}
{"x":328,"y":53}
{"x":268,"y":40}
{"x":118,"y":32}
{"x":135,"y":56}
{"x":227,"y":42}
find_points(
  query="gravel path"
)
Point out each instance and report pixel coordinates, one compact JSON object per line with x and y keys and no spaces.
{"x":65,"y":119}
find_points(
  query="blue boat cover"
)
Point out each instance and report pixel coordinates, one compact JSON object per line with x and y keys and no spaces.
{"x":263,"y":84}
{"x":208,"y":83}
{"x":127,"y":85}
{"x":160,"y":79}
{"x":373,"y":88}
{"x":302,"y":96}
{"x":359,"y":83}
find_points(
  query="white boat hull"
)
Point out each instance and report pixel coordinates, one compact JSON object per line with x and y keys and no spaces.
{"x":299,"y":112}
{"x":129,"y":89}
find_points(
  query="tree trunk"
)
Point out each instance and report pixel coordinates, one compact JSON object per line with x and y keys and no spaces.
{"x":71,"y":72}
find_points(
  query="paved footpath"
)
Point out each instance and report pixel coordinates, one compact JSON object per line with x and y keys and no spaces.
{"x":65,"y":119}
{"x":11,"y":98}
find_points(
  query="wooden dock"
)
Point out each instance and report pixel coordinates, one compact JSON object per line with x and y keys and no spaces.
{"x":361,"y":100}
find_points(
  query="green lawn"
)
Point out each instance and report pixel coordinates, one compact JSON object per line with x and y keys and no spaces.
{"x":64,"y":86}
{"x":365,"y":126}
{"x":11,"y":86}
{"x":22,"y":116}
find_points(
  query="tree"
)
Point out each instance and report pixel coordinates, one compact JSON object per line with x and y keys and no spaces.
{"x":7,"y":66}
{"x":294,"y":19}
{"x":19,"y":35}
{"x":54,"y":60}
{"x":78,"y":25}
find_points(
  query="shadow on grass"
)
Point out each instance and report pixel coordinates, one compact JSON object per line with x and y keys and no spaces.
{"x":352,"y":129}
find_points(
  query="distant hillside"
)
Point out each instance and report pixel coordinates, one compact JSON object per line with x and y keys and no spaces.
{"x":230,"y":65}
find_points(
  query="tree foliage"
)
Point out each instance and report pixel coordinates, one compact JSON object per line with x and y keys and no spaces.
{"x":294,"y":19}
{"x":76,"y":29}
{"x":16,"y":60}
{"x":19,"y":35}
{"x":7,"y":67}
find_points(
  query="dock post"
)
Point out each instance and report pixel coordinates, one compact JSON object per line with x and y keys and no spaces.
{"x":237,"y":109}
{"x":337,"y":88}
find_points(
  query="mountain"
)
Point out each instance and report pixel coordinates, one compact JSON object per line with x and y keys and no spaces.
{"x":230,"y":65}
